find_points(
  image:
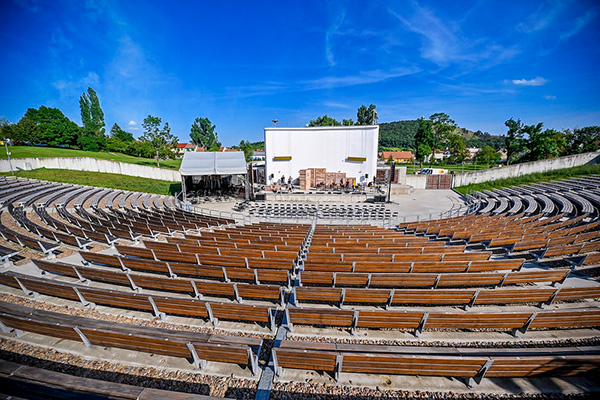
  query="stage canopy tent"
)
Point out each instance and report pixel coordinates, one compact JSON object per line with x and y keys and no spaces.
{"x":213,"y":163}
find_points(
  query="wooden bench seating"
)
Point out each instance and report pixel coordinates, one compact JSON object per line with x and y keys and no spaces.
{"x":174,"y":269}
{"x":202,"y":259}
{"x":217,"y":251}
{"x":416,"y":267}
{"x":344,"y":279}
{"x":22,"y":381}
{"x":160,"y":306}
{"x":245,"y":244}
{"x":176,"y":285}
{"x":418,"y":321}
{"x":167,"y":342}
{"x":457,"y":297}
{"x":449,"y":362}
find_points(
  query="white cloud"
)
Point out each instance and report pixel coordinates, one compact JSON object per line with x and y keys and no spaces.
{"x":580,"y":23}
{"x":543,"y":17}
{"x":537,"y":81}
{"x":550,"y":97}
{"x":444,"y":43}
{"x":132,"y":125}
{"x":70,"y":87}
{"x":374,"y":76}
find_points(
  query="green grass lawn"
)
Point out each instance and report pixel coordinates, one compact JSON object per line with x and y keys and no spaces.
{"x":113,"y":181}
{"x":583,"y":170}
{"x":31,"y":151}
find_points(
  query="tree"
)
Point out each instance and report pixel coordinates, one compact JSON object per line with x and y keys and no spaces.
{"x":117,"y":133}
{"x":55,"y":128}
{"x":203,"y":134}
{"x":423,"y":140}
{"x":6,"y":129}
{"x":543,"y":144}
{"x":92,"y":137}
{"x":347,"y":122}
{"x":582,"y":140}
{"x":247,"y":148}
{"x":441,"y":127}
{"x":161,"y":139}
{"x":120,"y":141}
{"x":325,"y":120}
{"x":366,"y":116}
{"x":514,"y":142}
{"x":458,"y":148}
{"x":487,"y":155}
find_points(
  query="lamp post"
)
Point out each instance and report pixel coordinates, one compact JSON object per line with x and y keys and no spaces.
{"x":8,"y":155}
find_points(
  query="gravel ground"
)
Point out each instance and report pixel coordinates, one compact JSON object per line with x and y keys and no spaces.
{"x":310,"y":390}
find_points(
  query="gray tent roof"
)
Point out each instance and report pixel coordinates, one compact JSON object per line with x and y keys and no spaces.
{"x":213,"y":163}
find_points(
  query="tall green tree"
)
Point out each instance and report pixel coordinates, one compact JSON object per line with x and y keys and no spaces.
{"x":92,"y":137}
{"x":423,"y":140}
{"x":347,"y":122}
{"x":487,"y":155}
{"x":161,"y":139}
{"x":582,"y":140}
{"x":120,"y":141}
{"x":366,"y":116}
{"x":458,"y":148}
{"x":247,"y":148}
{"x":55,"y":128}
{"x":203,"y":134}
{"x":325,"y":120}
{"x":441,"y":128}
{"x":543,"y":144}
{"x":514,"y":141}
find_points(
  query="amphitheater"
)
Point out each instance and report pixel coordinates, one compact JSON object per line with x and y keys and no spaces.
{"x":113,"y":294}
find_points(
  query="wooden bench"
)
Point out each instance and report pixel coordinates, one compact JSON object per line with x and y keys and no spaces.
{"x":472,"y":364}
{"x":93,"y":332}
{"x":417,"y":321}
{"x":397,"y":280}
{"x":138,"y":282}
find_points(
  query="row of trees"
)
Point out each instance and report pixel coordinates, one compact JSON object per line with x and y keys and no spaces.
{"x":364,"y":116}
{"x":522,"y":142}
{"x":532,"y":142}
{"x":49,"y":126}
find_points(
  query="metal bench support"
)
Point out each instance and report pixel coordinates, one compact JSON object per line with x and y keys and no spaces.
{"x":198,"y":362}
{"x":85,"y":303}
{"x":421,"y":326}
{"x":84,"y":339}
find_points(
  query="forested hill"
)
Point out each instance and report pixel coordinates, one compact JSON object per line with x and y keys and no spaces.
{"x":401,"y":134}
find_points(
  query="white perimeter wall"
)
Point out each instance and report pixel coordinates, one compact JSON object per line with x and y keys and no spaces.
{"x":93,"y":165}
{"x":512,"y":171}
{"x":322,"y":147}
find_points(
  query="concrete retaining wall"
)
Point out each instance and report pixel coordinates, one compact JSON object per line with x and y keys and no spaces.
{"x":416,"y":181}
{"x":513,"y":171}
{"x":92,"y":165}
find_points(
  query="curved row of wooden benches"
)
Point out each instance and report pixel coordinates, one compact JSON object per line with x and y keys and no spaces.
{"x":417,"y":321}
{"x":470,"y":364}
{"x":195,"y":288}
{"x":160,"y":306}
{"x":175,"y":269}
{"x":438,"y":297}
{"x":199,"y":347}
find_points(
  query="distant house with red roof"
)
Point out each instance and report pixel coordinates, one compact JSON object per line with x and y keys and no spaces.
{"x":402,"y":157}
{"x":183,"y":147}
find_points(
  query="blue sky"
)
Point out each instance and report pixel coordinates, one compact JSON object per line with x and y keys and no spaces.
{"x":243,"y":63}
